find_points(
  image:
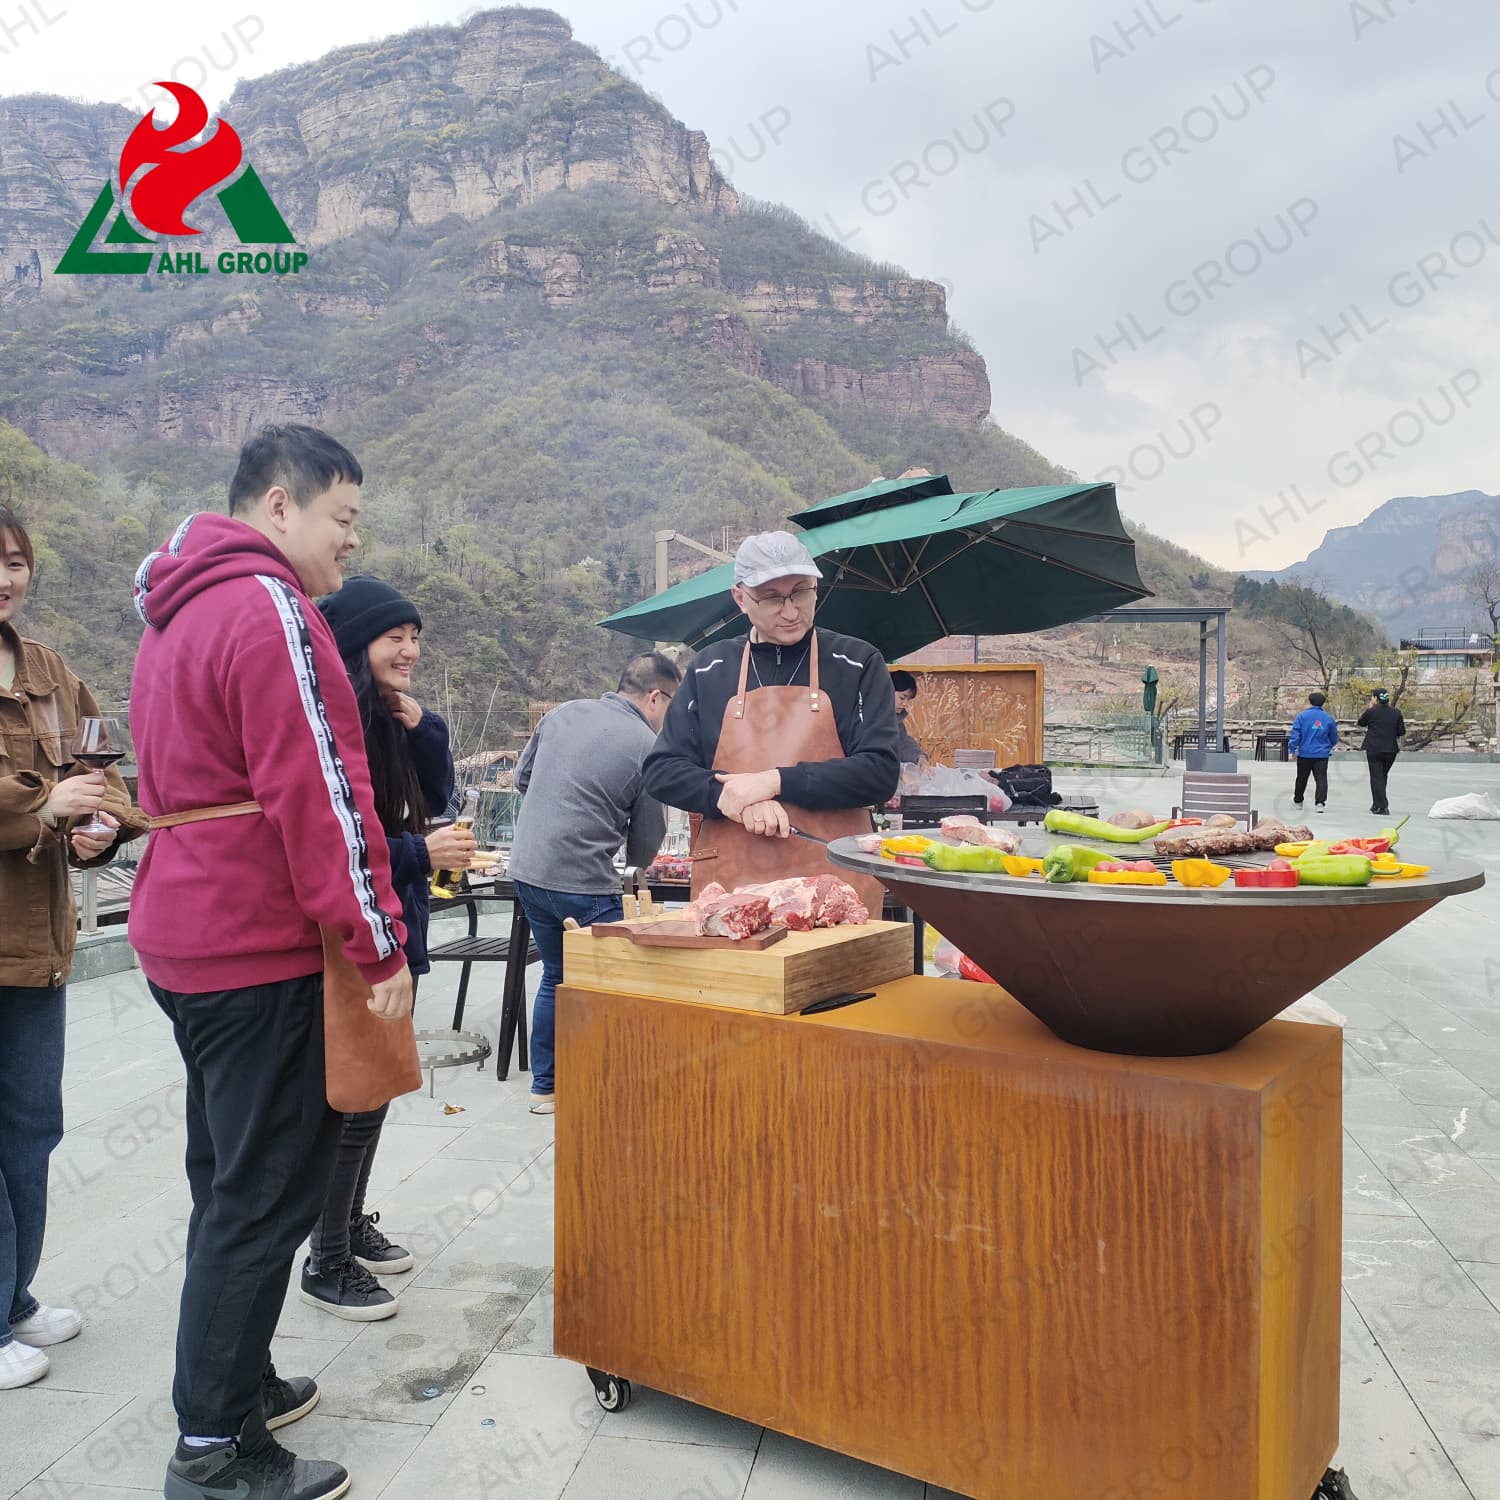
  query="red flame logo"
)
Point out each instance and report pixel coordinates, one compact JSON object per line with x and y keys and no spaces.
{"x":176,"y":177}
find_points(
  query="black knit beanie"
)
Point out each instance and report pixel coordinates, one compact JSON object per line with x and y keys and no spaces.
{"x":363,"y":609}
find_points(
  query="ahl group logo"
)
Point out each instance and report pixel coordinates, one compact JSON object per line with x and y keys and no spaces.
{"x":176,"y":175}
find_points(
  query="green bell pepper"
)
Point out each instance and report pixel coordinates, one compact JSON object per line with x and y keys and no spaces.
{"x":972,"y":859}
{"x":1334,"y":869}
{"x":1071,"y":862}
{"x":1081,"y":827}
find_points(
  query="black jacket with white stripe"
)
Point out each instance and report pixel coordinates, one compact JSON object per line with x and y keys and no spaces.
{"x":856,"y":682}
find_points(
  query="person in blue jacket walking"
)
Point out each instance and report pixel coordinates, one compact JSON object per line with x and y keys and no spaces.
{"x":1314,"y":734}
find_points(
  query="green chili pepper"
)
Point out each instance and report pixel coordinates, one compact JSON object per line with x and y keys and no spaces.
{"x":1071,"y":862}
{"x":972,"y":859}
{"x":1393,"y":835}
{"x":1081,"y":827}
{"x":1334,"y":869}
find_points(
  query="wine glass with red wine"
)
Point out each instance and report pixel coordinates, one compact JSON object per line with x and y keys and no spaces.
{"x":98,"y":744}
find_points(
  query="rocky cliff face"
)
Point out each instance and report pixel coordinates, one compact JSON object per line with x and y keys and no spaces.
{"x":1406,"y":562}
{"x":399,"y":141}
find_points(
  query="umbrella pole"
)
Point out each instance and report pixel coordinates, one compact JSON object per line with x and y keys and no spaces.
{"x":1203,"y":689}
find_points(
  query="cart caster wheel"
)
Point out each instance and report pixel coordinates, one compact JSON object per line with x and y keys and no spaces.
{"x":612,"y":1393}
{"x":1334,"y":1486}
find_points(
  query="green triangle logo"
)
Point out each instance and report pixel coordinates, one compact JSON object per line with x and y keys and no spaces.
{"x":80,"y":258}
{"x":254,"y":218}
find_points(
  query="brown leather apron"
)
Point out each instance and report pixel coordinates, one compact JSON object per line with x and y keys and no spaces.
{"x":778,"y":726}
{"x":367,"y":1060}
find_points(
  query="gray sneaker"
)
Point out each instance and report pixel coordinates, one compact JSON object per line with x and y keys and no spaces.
{"x":252,"y":1466}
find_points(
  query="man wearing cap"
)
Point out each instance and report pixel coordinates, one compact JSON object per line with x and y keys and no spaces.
{"x":787,"y":726}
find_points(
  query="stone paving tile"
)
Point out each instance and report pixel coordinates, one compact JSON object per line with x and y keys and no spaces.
{"x":1465,"y":1218}
{"x":507,"y":1249}
{"x":619,"y":1469}
{"x":1398,"y":1262}
{"x":655,"y":1417}
{"x":788,"y":1470}
{"x":544,"y":1415}
{"x":435,"y":1343}
{"x":373,"y":1452}
{"x":1366,"y":1189}
{"x":54,"y":1489}
{"x":1384,"y":1441}
{"x":129,"y":1449}
{"x":41,"y":1424}
{"x":531,"y":1333}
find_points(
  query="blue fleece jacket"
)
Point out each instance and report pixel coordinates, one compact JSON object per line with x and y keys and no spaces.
{"x":1314,"y":734}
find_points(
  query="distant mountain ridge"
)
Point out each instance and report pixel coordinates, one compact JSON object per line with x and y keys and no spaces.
{"x":1405,"y":563}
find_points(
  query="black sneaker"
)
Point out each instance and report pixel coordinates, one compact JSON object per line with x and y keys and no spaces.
{"x":347,"y":1291}
{"x":252,"y":1466}
{"x":373,"y":1251}
{"x":283,"y":1401}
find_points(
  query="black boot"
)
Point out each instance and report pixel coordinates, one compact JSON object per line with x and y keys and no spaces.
{"x":252,"y":1466}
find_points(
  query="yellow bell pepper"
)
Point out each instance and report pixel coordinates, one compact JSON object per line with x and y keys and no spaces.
{"x":905,"y":843}
{"x":1021,"y":864}
{"x":1126,"y":877}
{"x":1199,"y":873}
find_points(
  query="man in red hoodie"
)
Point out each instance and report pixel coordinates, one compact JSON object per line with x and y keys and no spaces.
{"x":240,"y":696}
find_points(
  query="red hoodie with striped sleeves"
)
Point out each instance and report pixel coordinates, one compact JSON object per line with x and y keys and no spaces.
{"x":240,"y":695}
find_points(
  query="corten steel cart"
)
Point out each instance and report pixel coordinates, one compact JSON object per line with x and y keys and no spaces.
{"x":927,"y":1231}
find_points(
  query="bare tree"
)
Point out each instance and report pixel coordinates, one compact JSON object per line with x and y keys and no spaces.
{"x":1311,"y":630}
{"x":1482,"y":584}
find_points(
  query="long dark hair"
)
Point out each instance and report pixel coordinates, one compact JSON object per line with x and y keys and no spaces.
{"x":399,"y":802}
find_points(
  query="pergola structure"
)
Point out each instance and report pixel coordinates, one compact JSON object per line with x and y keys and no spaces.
{"x":1208,"y":756}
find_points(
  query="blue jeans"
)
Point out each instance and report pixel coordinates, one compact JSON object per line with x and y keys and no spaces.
{"x":546,"y":911}
{"x":31,"y":1125}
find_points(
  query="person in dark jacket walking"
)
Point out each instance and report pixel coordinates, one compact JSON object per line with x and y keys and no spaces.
{"x":1314,"y":734}
{"x":1383,"y":726}
{"x":378,"y":633}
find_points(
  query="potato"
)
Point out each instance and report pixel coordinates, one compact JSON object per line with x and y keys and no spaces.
{"x":1134,"y":817}
{"x":1220,"y":820}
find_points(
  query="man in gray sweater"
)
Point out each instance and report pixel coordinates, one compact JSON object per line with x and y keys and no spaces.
{"x":582,"y":798}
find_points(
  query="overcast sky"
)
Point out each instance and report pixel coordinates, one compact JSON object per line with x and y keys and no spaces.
{"x":1151,"y":214}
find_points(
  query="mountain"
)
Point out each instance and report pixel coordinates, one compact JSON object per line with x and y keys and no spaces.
{"x":534,"y":309}
{"x":1404,"y":564}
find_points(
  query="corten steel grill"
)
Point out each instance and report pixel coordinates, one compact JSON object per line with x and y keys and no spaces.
{"x":1157,"y":971}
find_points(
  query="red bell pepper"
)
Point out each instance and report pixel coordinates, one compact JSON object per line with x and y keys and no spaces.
{"x":1186,"y":823}
{"x":1360,"y":846}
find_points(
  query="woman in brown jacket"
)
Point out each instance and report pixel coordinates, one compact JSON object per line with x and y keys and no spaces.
{"x":40,"y":704}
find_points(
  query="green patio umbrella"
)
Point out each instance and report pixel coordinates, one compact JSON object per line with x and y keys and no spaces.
{"x":1148,"y":693}
{"x":911,"y":571}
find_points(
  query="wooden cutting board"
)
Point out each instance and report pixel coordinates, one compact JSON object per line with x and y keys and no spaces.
{"x":666,"y":932}
{"x":791,"y":973}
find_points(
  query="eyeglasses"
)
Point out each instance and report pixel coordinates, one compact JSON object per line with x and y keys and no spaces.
{"x":800,"y":597}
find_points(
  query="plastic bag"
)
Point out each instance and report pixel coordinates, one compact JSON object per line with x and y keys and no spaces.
{"x":946,"y":781}
{"x":1475,"y":805}
{"x":946,"y":958}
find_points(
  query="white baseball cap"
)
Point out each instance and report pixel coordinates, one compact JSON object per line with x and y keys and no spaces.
{"x":772,"y":554}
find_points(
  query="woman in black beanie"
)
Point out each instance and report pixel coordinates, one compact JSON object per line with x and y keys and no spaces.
{"x":411,"y":770}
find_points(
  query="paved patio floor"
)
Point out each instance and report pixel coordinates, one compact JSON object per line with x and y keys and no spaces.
{"x":460,"y":1397}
